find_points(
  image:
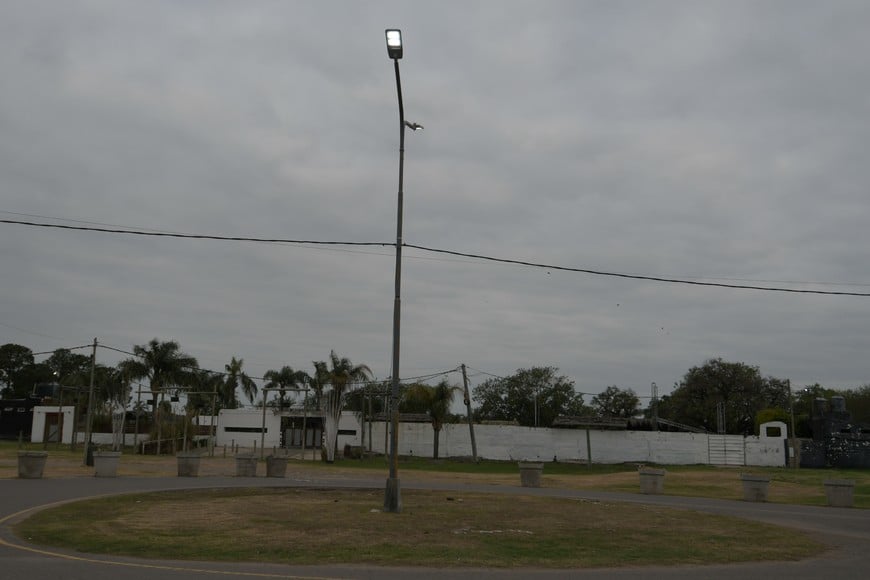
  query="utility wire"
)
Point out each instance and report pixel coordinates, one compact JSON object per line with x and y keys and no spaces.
{"x":484,"y":372}
{"x":192,"y":236}
{"x":62,"y":348}
{"x":222,"y":373}
{"x":449,"y":253}
{"x":633,"y":276}
{"x":100,"y":345}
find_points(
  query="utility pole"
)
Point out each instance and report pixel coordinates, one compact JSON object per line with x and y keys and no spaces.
{"x":136,"y":425}
{"x":468,"y":411}
{"x":655,"y":406}
{"x":795,"y":459}
{"x":263,"y":427}
{"x":212,"y":434}
{"x":90,"y":415}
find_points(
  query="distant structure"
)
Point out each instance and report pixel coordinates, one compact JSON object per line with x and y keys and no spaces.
{"x":16,"y":417}
{"x":837,"y":440}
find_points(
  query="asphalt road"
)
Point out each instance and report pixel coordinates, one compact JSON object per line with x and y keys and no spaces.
{"x":847,"y":531}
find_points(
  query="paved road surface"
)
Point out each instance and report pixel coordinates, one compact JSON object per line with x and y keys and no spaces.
{"x":846,"y":530}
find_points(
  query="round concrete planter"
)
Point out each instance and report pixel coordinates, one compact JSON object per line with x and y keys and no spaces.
{"x":652,"y":481}
{"x":106,"y":463}
{"x":754,"y":487}
{"x":246,"y":465}
{"x":31,"y":464}
{"x":188,"y":464}
{"x":276,"y":466}
{"x":530,"y":473}
{"x":840,"y":492}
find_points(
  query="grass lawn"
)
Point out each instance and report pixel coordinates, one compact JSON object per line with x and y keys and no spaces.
{"x":303,"y":526}
{"x":441,"y":529}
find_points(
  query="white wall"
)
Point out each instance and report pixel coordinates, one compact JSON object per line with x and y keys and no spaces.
{"x":506,"y":442}
{"x":107,"y":438}
{"x":767,"y":450}
{"x":251,"y":420}
{"x":37,"y":433}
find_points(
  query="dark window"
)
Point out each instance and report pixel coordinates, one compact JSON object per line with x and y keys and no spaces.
{"x":347,"y":431}
{"x":245,"y":430}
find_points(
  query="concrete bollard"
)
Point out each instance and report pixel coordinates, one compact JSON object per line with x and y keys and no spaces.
{"x":754,"y":487}
{"x":188,"y":464}
{"x":530,"y":473}
{"x":106,"y":463}
{"x":652,"y":481}
{"x":276,"y":466}
{"x":31,"y":464}
{"x":246,"y":465}
{"x":840,"y":492}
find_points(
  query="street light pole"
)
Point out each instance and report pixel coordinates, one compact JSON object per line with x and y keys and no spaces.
{"x":90,"y":416}
{"x":392,"y":494}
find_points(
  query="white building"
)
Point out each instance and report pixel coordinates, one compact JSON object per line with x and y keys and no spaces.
{"x":50,"y":422}
{"x":249,"y":428}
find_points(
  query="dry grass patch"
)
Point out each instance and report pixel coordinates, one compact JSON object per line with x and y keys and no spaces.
{"x":442,"y":529}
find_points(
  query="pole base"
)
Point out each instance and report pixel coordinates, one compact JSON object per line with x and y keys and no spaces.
{"x":393,"y":496}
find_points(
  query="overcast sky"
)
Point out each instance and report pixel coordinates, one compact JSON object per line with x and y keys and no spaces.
{"x":720,"y":142}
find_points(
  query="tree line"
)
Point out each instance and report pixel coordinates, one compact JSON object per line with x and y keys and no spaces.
{"x":732,"y":397}
{"x":167,"y":371}
{"x":716,"y":396}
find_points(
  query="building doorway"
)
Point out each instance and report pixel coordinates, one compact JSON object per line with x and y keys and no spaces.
{"x":296,"y":430}
{"x":53,"y":428}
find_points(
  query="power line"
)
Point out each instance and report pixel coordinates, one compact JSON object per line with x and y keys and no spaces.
{"x":263,"y":379}
{"x":115,"y":349}
{"x":484,"y":372}
{"x":48,"y":217}
{"x":451,"y":253}
{"x":191,"y":236}
{"x":62,"y":348}
{"x":633,"y":276}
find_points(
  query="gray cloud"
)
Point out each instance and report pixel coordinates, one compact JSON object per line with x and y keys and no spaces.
{"x":718,"y":140}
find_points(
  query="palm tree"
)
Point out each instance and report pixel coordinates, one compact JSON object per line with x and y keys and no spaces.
{"x":209,"y":384}
{"x":117,"y":388}
{"x":319,"y":381}
{"x":435,"y":401}
{"x":235,"y":378}
{"x":342,"y":377}
{"x":163,"y":364}
{"x":285,"y":379}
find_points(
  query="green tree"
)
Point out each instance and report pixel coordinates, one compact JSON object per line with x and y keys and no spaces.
{"x":858,"y":404}
{"x":69,"y":368}
{"x":236,"y":378}
{"x":435,"y":402}
{"x":206,"y":391}
{"x":768,"y":415}
{"x":737,"y":388}
{"x":341,"y":376}
{"x":285,"y":379}
{"x":803,"y":407}
{"x":534,"y":396}
{"x":14,"y":359}
{"x":616,"y":402}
